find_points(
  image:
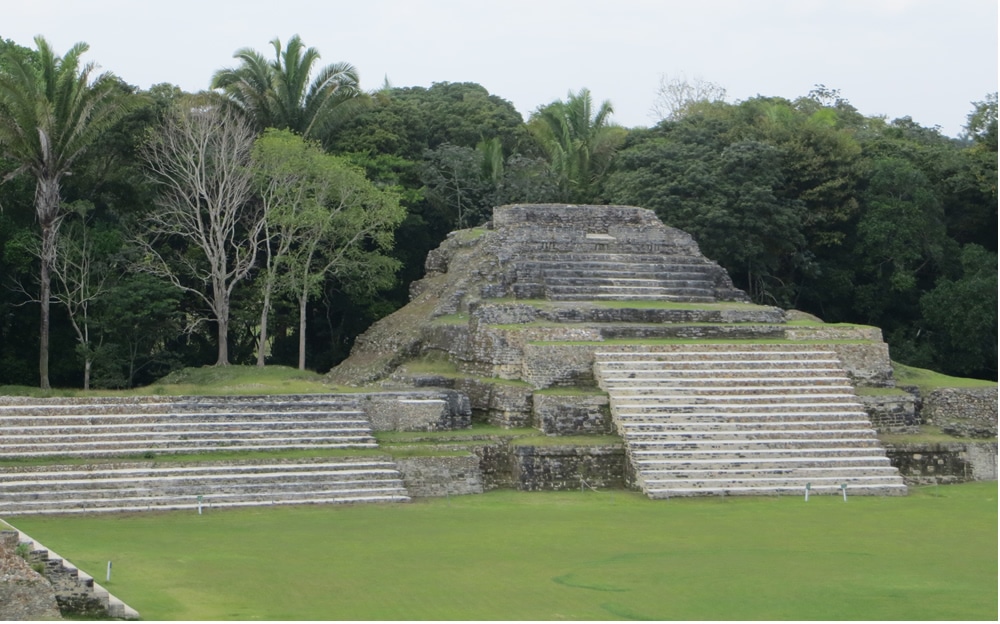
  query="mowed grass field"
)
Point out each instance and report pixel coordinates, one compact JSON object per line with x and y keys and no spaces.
{"x":509,"y":555}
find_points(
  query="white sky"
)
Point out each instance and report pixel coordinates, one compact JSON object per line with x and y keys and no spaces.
{"x":928,"y":59}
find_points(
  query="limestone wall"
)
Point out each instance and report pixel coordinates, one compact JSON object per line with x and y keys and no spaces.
{"x":419,"y":410}
{"x":891,"y":413}
{"x":562,"y":467}
{"x":943,"y":463}
{"x":570,"y":414}
{"x":441,"y":476}
{"x":968,"y":412}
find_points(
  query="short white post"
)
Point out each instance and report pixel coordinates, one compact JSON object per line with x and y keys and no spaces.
{"x":808,"y":487}
{"x":107,"y":579}
{"x":199,"y":504}
{"x":843,"y":488}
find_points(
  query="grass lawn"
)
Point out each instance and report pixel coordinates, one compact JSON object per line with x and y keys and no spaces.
{"x":594,"y":555}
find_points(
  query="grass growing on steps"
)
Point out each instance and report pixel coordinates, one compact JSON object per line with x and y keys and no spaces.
{"x":547,"y":556}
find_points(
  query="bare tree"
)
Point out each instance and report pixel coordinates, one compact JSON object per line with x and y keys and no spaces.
{"x":206,"y":234}
{"x":674,"y":96}
{"x":80,"y":279}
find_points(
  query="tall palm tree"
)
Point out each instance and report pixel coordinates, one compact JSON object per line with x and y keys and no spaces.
{"x":278,"y":93}
{"x":580,"y":142}
{"x":50,"y":113}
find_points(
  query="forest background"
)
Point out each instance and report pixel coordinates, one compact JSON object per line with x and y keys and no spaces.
{"x":154,"y":248}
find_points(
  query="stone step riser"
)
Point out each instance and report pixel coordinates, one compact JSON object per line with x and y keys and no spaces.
{"x":180,"y":407}
{"x":194,"y":487}
{"x":376,"y":496}
{"x":764,"y":353}
{"x":783,"y":482}
{"x":191,"y":506}
{"x":732,"y":408}
{"x":793,"y":456}
{"x":818,"y":473}
{"x":221,"y":436}
{"x":599,"y":287}
{"x":624,"y":276}
{"x":586,"y":264}
{"x":81,"y":416}
{"x":748,"y":401}
{"x":649,"y":437}
{"x":830,"y":465}
{"x":709,"y":378}
{"x":857,"y":490}
{"x":738,"y":428}
{"x":70,"y":478}
{"x":633,"y":392}
{"x":624,"y":297}
{"x":125,"y":451}
{"x":749,"y":445}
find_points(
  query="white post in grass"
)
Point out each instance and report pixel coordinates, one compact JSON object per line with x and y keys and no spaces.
{"x":199,"y":504}
{"x":843,"y":488}
{"x":107,"y":579}
{"x":808,"y":486}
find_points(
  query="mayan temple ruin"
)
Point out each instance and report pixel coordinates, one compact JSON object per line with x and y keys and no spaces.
{"x":591,"y":346}
{"x":583,"y":320}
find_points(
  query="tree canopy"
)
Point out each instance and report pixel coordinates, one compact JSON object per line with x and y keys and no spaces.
{"x":320,"y":214}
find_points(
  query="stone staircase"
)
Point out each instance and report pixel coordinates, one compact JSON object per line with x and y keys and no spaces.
{"x":118,"y":434}
{"x":618,"y":276}
{"x":137,"y":426}
{"x":144,"y":486}
{"x":751,"y":419}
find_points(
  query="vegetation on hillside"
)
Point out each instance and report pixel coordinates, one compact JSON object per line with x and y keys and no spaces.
{"x":806,"y":202}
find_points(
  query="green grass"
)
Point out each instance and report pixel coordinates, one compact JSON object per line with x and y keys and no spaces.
{"x":928,"y":434}
{"x":549,"y":556}
{"x":207,"y":381}
{"x":928,"y":380}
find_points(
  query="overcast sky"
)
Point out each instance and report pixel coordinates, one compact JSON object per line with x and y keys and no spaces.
{"x":928,"y":59}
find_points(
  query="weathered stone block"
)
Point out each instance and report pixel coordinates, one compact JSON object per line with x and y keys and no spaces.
{"x":966,"y":412}
{"x":441,"y":476}
{"x":565,"y":467}
{"x":571,"y":414}
{"x":895,"y":412}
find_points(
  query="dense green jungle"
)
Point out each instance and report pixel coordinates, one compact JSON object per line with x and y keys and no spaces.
{"x":274,"y":216}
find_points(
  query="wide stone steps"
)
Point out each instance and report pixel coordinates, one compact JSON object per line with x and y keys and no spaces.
{"x":733,"y":419}
{"x":630,"y":296}
{"x":682,"y":274}
{"x":597,"y":288}
{"x":850,"y":459}
{"x":756,"y":426}
{"x":773,"y":489}
{"x":137,"y":426}
{"x":744,"y":472}
{"x":139,"y":486}
{"x":748,"y":434}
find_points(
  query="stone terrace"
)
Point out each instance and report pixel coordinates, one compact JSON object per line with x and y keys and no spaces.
{"x":118,"y":433}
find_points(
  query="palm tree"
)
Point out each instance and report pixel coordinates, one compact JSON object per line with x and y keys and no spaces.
{"x":580,"y":143}
{"x":50,"y":113}
{"x":278,"y":94}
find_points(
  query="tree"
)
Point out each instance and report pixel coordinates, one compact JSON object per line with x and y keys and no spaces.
{"x":206,"y":234}
{"x":323,"y":218}
{"x":453,"y":176}
{"x":675,"y":96}
{"x":83,"y":271}
{"x":51,"y":111}
{"x":580,"y":143}
{"x":279,"y":94}
{"x":961,"y":316}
